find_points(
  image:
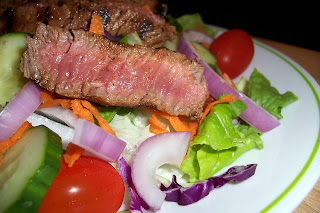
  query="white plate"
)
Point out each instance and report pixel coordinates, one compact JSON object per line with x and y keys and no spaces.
{"x":289,"y":164}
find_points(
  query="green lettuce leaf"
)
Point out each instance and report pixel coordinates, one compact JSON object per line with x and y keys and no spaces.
{"x":193,"y":21}
{"x":268,"y":97}
{"x":218,"y":144}
{"x":217,"y":130}
{"x":131,"y":39}
{"x":175,"y":23}
{"x":236,"y":107}
{"x":109,"y":112}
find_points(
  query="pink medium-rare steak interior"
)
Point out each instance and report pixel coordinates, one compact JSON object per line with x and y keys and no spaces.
{"x":80,"y":64}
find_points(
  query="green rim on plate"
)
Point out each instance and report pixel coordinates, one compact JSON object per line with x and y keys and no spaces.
{"x":317,"y":144}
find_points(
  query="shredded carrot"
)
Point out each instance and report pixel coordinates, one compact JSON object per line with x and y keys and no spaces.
{"x":47,"y":96}
{"x":178,"y":123}
{"x":101,"y":121}
{"x":73,"y":153}
{"x":192,"y":125}
{"x":53,"y":99}
{"x":155,"y":130}
{"x":96,"y":25}
{"x":226,"y":99}
{"x":80,"y":111}
{"x":206,"y":45}
{"x":226,"y":77}
{"x":5,"y":145}
{"x":146,"y":7}
{"x":194,"y":46}
{"x":65,"y":103}
{"x":156,"y":126}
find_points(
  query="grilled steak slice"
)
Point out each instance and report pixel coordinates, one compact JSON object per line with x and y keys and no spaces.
{"x":123,"y":18}
{"x":120,"y":17}
{"x":80,"y":64}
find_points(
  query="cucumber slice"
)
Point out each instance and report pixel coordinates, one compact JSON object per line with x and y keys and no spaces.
{"x":205,"y":54}
{"x":28,"y":169}
{"x":12,"y":46}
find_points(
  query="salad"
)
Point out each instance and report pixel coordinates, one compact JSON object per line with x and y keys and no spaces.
{"x":154,"y":156}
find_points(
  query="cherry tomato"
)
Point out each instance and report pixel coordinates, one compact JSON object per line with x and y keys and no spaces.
{"x":234,"y":51}
{"x":90,"y":185}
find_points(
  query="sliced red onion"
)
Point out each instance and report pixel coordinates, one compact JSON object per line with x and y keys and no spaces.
{"x":254,"y":115}
{"x":165,"y":148}
{"x":65,"y":133}
{"x":137,"y":204}
{"x":19,"y":109}
{"x":60,"y":114}
{"x":97,"y":141}
{"x":198,"y":36}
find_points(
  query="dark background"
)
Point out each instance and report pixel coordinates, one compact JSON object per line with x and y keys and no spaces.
{"x":296,"y":23}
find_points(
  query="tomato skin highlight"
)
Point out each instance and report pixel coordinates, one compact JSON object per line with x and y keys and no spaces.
{"x":234,"y":50}
{"x":90,"y":185}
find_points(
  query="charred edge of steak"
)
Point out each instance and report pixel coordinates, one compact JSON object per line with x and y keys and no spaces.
{"x":89,"y":66}
{"x":120,"y":17}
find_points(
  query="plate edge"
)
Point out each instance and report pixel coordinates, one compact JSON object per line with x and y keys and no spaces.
{"x":317,"y":143}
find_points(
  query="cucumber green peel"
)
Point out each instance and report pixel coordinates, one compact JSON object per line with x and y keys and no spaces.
{"x":12,"y":46}
{"x":28,"y":169}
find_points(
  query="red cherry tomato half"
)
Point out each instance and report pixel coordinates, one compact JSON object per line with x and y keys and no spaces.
{"x":234,"y":51}
{"x":90,"y":185}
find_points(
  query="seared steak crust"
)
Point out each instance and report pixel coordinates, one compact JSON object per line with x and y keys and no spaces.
{"x":123,"y":18}
{"x":84,"y":65}
{"x":120,"y":17}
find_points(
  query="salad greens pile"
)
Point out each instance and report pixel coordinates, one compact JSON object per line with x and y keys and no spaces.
{"x":222,"y":136}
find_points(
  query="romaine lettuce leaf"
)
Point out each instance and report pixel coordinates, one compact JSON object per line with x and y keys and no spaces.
{"x":268,"y":97}
{"x":236,"y":107}
{"x":217,"y":130}
{"x":218,"y":144}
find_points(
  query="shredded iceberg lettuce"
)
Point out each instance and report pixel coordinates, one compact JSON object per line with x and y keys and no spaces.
{"x":132,"y":128}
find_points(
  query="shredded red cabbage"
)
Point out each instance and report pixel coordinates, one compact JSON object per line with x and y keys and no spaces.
{"x":177,"y":193}
{"x":137,"y":203}
{"x":185,"y":196}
